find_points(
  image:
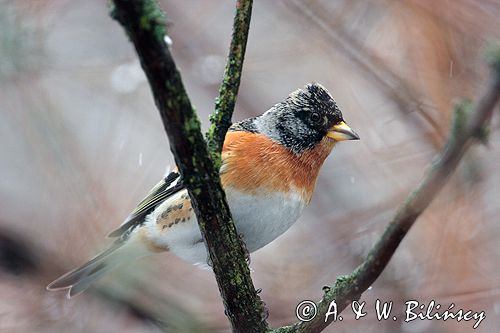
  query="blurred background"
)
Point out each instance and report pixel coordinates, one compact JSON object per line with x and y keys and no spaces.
{"x":82,"y":143}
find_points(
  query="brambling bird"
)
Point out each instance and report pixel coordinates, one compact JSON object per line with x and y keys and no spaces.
{"x":269,"y":168}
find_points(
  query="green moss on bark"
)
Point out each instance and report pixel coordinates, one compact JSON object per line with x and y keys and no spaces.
{"x":492,"y":56}
{"x":225,"y":103}
{"x":144,"y":24}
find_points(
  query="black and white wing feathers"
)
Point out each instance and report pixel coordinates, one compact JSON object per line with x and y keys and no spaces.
{"x":168,"y":186}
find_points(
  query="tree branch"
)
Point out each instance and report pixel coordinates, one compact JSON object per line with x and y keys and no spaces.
{"x":228,"y":91}
{"x":467,"y":125}
{"x":143,"y":21}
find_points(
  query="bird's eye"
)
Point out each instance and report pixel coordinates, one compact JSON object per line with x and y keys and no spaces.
{"x":315,"y":117}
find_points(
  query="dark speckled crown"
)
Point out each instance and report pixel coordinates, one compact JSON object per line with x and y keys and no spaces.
{"x":300,"y":122}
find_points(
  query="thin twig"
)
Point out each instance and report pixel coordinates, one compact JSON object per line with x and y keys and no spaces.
{"x":228,"y":91}
{"x":143,"y":21}
{"x":467,"y":126}
{"x":393,"y":85}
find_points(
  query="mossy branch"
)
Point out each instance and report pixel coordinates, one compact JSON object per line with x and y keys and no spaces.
{"x":143,"y":22}
{"x":467,"y":126}
{"x":228,"y":91}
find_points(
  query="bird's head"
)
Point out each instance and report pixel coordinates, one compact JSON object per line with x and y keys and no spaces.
{"x":305,"y":118}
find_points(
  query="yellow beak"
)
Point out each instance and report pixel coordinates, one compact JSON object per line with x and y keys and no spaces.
{"x":342,"y":132}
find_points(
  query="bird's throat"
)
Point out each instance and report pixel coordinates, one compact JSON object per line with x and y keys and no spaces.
{"x":254,"y":163}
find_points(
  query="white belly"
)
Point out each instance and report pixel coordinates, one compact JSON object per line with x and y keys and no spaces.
{"x":259,"y":219}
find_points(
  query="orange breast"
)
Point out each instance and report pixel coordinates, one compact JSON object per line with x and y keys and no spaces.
{"x":253,"y":162}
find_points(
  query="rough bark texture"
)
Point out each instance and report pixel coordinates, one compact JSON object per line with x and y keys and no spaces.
{"x":469,"y":124}
{"x":143,"y":22}
{"x":228,"y":91}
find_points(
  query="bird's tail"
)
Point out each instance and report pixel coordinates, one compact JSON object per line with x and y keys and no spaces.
{"x":82,"y":277}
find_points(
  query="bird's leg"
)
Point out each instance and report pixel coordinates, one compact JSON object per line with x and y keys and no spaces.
{"x":209,"y":261}
{"x":245,"y":249}
{"x":265,"y":312}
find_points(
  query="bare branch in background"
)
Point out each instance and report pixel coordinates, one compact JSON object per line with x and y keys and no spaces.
{"x":144,"y":23}
{"x":467,"y":127}
{"x":393,"y":85}
{"x":24,"y":258}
